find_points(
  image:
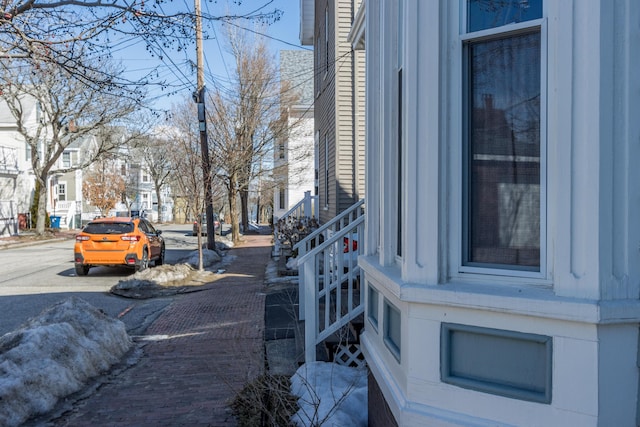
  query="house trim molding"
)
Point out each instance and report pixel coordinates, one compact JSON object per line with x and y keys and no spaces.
{"x":516,"y":299}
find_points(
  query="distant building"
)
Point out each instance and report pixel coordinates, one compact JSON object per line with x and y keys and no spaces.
{"x":339,"y":104}
{"x":294,"y":154}
{"x":16,"y":179}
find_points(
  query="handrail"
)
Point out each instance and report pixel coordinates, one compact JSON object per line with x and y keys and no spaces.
{"x":329,"y":278}
{"x":336,"y":237}
{"x":310,"y":241}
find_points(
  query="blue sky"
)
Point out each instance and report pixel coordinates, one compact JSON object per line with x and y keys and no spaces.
{"x":175,"y":67}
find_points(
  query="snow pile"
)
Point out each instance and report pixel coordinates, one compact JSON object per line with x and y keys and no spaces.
{"x":209,"y":258}
{"x":153,"y":277}
{"x":53,"y":355}
{"x":330,"y":395}
{"x":292,"y":263}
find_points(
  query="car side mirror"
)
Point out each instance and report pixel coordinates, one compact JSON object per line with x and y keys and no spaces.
{"x":158,"y":232}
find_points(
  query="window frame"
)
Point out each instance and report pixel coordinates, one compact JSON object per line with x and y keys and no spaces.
{"x":66,"y":159}
{"x":326,"y":40}
{"x":61,"y":185}
{"x":326,"y":171}
{"x":400,"y":147}
{"x":281,"y":199}
{"x":458,"y":269}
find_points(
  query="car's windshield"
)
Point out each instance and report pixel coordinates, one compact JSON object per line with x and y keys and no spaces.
{"x":108,"y":228}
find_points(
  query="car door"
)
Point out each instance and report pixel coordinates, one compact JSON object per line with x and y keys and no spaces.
{"x":155,"y":243}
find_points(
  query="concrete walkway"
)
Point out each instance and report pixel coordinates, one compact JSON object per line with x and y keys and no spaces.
{"x":196,"y":356}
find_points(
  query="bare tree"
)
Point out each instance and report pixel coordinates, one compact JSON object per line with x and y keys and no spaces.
{"x":184,"y":148}
{"x":157,"y":159}
{"x":69,"y":112}
{"x":186,"y":163}
{"x":42,"y":30}
{"x":103,"y":185}
{"x":132,"y":181}
{"x":246,"y":124}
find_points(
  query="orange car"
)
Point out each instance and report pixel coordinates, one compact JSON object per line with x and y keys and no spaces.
{"x":118,"y":241}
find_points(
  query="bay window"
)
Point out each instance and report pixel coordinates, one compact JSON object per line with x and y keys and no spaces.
{"x":503,"y":187}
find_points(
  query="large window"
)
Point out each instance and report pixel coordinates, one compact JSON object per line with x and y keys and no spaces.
{"x":503,"y":180}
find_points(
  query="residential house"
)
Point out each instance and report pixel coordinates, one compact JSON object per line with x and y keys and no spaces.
{"x":16,"y":179}
{"x":501,"y":260}
{"x":339,"y":103}
{"x":64,"y":198}
{"x":294,"y":154}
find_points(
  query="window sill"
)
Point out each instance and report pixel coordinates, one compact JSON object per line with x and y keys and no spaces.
{"x":525,"y":300}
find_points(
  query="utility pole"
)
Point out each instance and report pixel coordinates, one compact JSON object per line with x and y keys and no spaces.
{"x":199,"y":97}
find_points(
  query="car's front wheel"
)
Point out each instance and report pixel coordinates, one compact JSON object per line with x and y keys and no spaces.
{"x":82,"y":269}
{"x":144,"y":262}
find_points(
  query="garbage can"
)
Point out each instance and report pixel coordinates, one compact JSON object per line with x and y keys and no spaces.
{"x":55,"y":221}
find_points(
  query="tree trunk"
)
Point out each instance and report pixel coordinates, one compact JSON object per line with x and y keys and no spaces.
{"x":42,"y":208}
{"x":159,"y":204}
{"x":233,"y":213}
{"x":233,"y":210}
{"x":244,"y":205}
{"x":258,"y":213}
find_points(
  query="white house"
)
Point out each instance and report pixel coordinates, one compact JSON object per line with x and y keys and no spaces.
{"x":16,"y":179}
{"x":64,"y":197}
{"x":502,"y":261}
{"x":294,"y":156}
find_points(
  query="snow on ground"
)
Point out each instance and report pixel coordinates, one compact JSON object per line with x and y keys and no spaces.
{"x":209,"y":257}
{"x":170,"y":279}
{"x":156,"y":276}
{"x":330,"y":395}
{"x":53,"y":355}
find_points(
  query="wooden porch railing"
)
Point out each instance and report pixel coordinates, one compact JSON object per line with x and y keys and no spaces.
{"x":330,"y":278}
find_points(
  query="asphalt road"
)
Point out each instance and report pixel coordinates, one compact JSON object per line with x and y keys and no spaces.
{"x":35,"y":277}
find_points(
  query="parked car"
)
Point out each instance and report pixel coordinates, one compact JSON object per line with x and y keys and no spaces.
{"x":133,"y":242}
{"x":216,"y":225}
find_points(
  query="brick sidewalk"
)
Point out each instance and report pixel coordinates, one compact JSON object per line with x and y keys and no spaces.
{"x":201,"y":351}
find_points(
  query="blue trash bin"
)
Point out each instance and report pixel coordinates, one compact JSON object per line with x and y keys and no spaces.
{"x":55,"y":221}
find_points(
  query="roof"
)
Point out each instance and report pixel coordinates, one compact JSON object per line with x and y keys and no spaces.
{"x":7,"y":118}
{"x":296,"y":66}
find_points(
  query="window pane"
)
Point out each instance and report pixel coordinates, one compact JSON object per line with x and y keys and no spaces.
{"x":484,"y":14}
{"x":503,"y":181}
{"x":108,"y":228}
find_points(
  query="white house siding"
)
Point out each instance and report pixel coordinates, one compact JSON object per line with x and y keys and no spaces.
{"x":586,"y":297}
{"x":16,"y":179}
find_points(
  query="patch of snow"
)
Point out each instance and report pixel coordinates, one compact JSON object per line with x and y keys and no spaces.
{"x":330,"y":395}
{"x":152,"y":277}
{"x":292,"y":263}
{"x":53,"y":355}
{"x":209,"y":258}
